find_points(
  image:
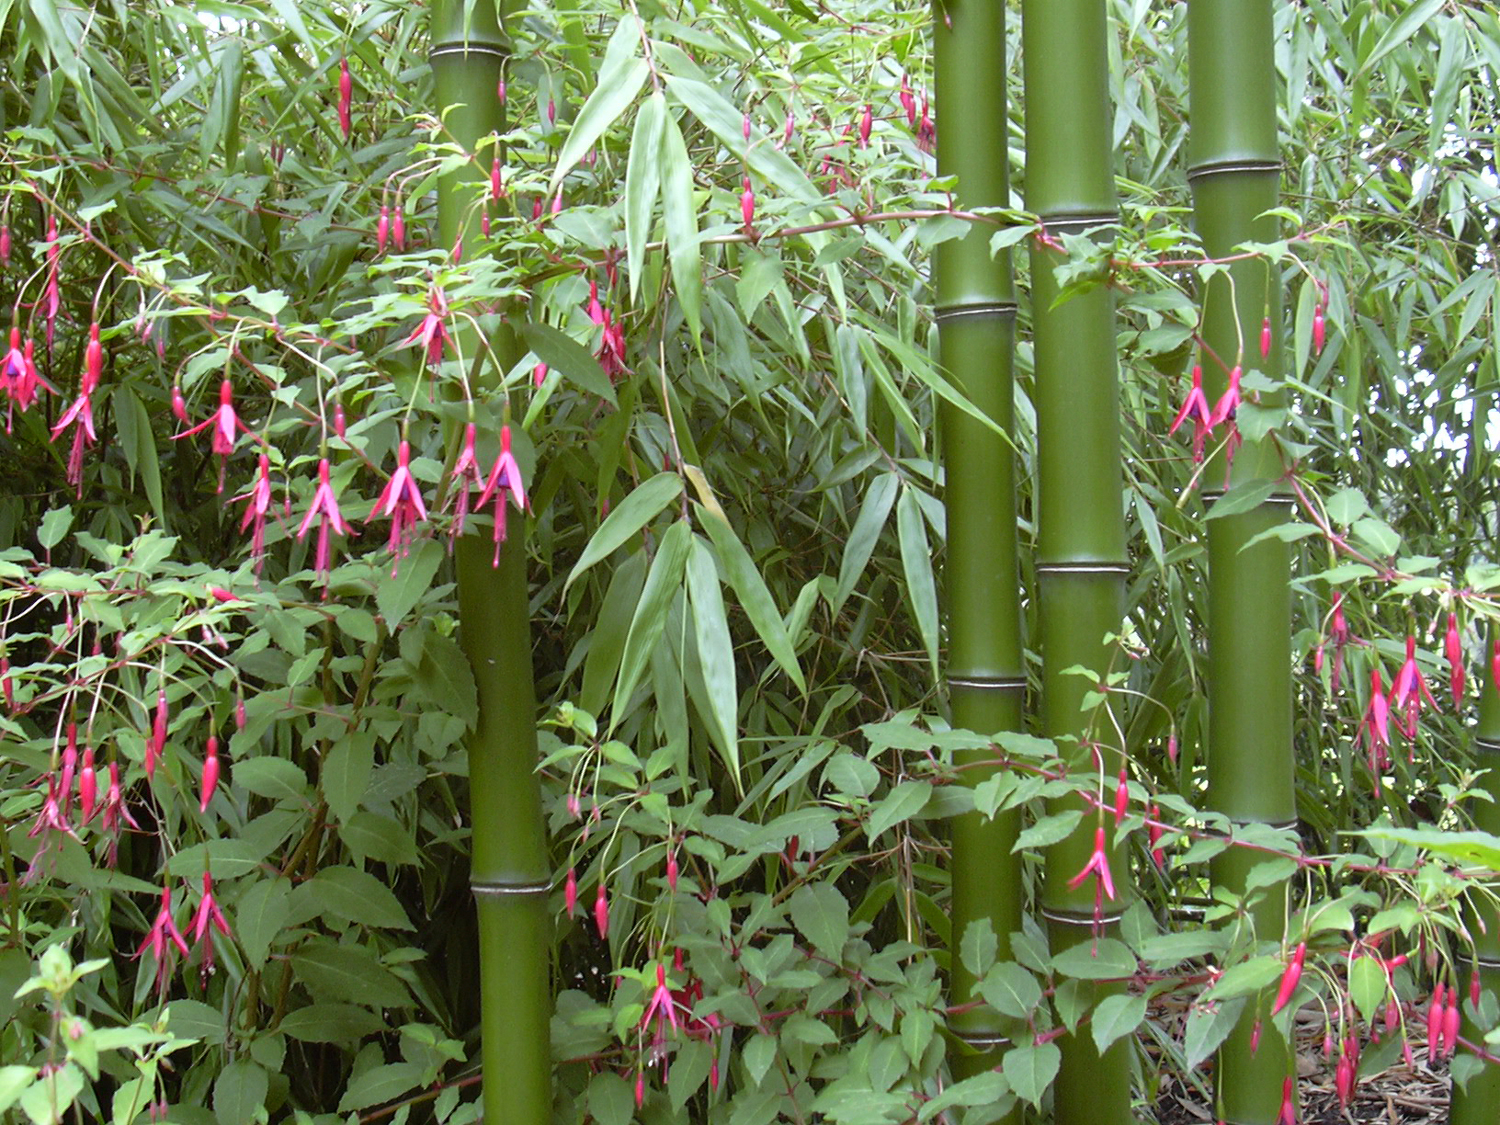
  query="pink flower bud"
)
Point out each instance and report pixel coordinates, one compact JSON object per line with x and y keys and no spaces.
{"x":1319,"y":332}
{"x":866,"y":121}
{"x":398,"y":226}
{"x":382,"y":229}
{"x":640,"y":1089}
{"x":500,"y":90}
{"x":539,"y":374}
{"x":4,"y":245}
{"x":745,"y":127}
{"x":791,"y":124}
{"x":158,"y":740}
{"x":551,"y":112}
{"x":1450,"y":1025}
{"x":338,"y":419}
{"x":1288,"y":1114}
{"x":747,"y":203}
{"x":1473,"y":987}
{"x":574,"y":809}
{"x":239,"y":713}
{"x":346,"y":98}
{"x":1435,"y":1022}
{"x":495,"y":192}
{"x":1265,"y":337}
{"x":601,"y":913}
{"x":713,"y":1075}
{"x":1255,"y":1037}
{"x":210,"y":774}
{"x":557,"y":202}
{"x":1122,"y":797}
{"x":672,"y":869}
{"x":179,"y":406}
{"x":1172,"y":747}
{"x":88,"y":785}
{"x":570,"y":892}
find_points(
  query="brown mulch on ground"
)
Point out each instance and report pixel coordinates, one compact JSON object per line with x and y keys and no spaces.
{"x":1397,"y":1095}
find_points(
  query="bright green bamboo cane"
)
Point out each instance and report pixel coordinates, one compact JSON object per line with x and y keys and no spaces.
{"x":511,"y":873}
{"x":975,"y":311}
{"x":1235,"y":175}
{"x":1081,"y":554}
{"x":1475,"y":1104}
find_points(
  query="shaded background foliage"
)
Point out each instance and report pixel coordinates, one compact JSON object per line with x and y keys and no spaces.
{"x":771,"y":439}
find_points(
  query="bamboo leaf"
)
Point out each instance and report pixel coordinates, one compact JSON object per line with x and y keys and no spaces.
{"x":643,"y":183}
{"x":635,"y":512}
{"x":916,"y":562}
{"x":864,"y":535}
{"x":755,"y":598}
{"x":715,"y":651}
{"x":662,"y":584}
{"x":682,"y":224}
{"x":610,"y":629}
{"x":620,"y":80}
{"x":726,"y":122}
{"x":1401,"y":31}
{"x":561,"y":352}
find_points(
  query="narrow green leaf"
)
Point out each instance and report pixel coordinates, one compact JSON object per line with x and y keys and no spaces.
{"x":634,"y":512}
{"x":611,"y":626}
{"x":681,"y":214}
{"x":755,"y":598}
{"x":715,"y":651}
{"x":662,"y":584}
{"x":726,"y":122}
{"x":643,"y":183}
{"x":865,"y":534}
{"x":916,"y":562}
{"x":620,"y":80}
{"x":561,"y":352}
{"x":1401,"y":31}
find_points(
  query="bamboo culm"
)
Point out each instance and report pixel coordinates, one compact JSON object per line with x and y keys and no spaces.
{"x":1234,"y":171}
{"x":511,"y":873}
{"x":1081,"y":552}
{"x":975,"y":313}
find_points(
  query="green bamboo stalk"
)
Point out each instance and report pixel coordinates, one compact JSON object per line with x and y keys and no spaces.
{"x":1475,"y":1103}
{"x":1081,"y":553}
{"x":975,"y":312}
{"x":1235,"y":172}
{"x":511,"y":874}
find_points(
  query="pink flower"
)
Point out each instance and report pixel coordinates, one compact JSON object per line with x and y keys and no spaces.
{"x":88,"y":786}
{"x":208,"y":913}
{"x":431,"y":333}
{"x":81,"y":413}
{"x":908,"y":102}
{"x":1097,"y":866}
{"x":747,"y":204}
{"x":116,"y":814}
{"x":210,"y":773}
{"x":158,"y":740}
{"x":1288,"y":1115}
{"x":1229,"y":401}
{"x":1453,"y":648}
{"x":601,"y":913}
{"x":401,"y":503}
{"x":257,"y":504}
{"x":226,"y":427}
{"x":160,"y":939}
{"x":1265,"y":337}
{"x":464,"y":477}
{"x":1408,"y":689}
{"x":570,"y":892}
{"x":382,"y":229}
{"x":539,"y":374}
{"x":661,"y":1006}
{"x":325,"y":509}
{"x":504,"y":477}
{"x":1195,"y":406}
{"x":1376,"y":726}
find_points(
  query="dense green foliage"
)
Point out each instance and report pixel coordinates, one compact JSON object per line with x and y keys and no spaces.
{"x":734,"y":548}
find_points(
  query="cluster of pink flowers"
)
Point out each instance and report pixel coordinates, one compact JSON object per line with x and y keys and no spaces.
{"x":611,"y":353}
{"x":164,"y":936}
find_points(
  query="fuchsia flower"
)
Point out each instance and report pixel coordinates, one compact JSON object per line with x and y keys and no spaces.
{"x":54,"y":295}
{"x":1453,"y":648}
{"x":1376,"y":727}
{"x":866,"y":122}
{"x":1097,"y":866}
{"x":324,"y":509}
{"x":1265,"y":337}
{"x":1408,"y":688}
{"x":747,"y":204}
{"x":257,"y":504}
{"x":465,"y":475}
{"x":382,"y":229}
{"x":226,"y":427}
{"x":208,"y":914}
{"x":158,"y":740}
{"x":1229,"y":401}
{"x":80,"y":414}
{"x":88,"y":786}
{"x":1195,"y":406}
{"x":611,"y":353}
{"x":160,"y":939}
{"x":1288,"y":1115}
{"x":504,"y":477}
{"x":1338,"y":628}
{"x":115,"y":813}
{"x":908,"y":102}
{"x":662,"y":1006}
{"x":570,"y":892}
{"x":401,"y":503}
{"x":1435,"y":1017}
{"x":431,"y":333}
